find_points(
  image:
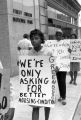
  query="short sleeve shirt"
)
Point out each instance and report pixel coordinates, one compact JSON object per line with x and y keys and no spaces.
{"x":43,"y":51}
{"x":24,"y":44}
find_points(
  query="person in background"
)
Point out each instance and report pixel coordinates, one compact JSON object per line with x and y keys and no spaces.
{"x":61,"y":75}
{"x":25,"y":43}
{"x":23,"y":46}
{"x":74,"y":66}
{"x":37,"y":39}
{"x":63,"y":37}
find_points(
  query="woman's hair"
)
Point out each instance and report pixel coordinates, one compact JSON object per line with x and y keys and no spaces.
{"x":25,"y":36}
{"x":37,"y":32}
{"x":58,"y":31}
{"x":74,"y":35}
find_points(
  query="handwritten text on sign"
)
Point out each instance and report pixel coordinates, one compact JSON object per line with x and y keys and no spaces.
{"x":4,"y":92}
{"x":76,"y":50}
{"x":37,"y":80}
{"x":60,"y":51}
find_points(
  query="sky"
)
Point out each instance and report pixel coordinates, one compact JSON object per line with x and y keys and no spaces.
{"x":79,"y":22}
{"x":79,"y":1}
{"x":80,"y":4}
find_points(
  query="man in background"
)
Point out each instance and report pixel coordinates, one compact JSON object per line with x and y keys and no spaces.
{"x":25,"y":43}
{"x":24,"y":46}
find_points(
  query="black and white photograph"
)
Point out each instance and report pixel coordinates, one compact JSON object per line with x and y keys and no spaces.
{"x":40,"y":59}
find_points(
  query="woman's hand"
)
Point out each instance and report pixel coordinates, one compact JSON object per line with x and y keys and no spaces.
{"x":69,"y":50}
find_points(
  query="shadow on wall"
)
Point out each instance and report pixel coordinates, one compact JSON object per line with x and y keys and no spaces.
{"x":14,"y":71}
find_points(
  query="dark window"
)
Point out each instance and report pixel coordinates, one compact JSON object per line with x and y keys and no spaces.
{"x":50,"y":20}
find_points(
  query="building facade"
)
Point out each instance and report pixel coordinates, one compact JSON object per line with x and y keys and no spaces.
{"x":21,"y":16}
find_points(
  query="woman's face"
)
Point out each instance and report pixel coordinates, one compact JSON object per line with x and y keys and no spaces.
{"x":36,"y":41}
{"x":59,"y":36}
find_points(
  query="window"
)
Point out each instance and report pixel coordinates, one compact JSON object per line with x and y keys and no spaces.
{"x":50,"y":21}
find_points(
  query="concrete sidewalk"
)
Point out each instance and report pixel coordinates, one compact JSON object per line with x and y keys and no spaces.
{"x":66,"y":112}
{"x":59,"y":112}
{"x":77,"y":114}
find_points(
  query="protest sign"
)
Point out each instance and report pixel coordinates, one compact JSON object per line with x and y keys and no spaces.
{"x":4,"y":92}
{"x":76,"y":50}
{"x":37,"y":80}
{"x":60,"y":51}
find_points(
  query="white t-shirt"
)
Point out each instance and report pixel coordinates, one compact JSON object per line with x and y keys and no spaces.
{"x":24,"y":44}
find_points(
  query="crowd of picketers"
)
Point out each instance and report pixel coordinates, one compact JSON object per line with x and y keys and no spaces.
{"x":34,"y":44}
{"x":36,"y":40}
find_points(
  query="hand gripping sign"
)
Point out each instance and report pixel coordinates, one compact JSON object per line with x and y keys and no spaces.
{"x":37,"y":80}
{"x":4,"y":92}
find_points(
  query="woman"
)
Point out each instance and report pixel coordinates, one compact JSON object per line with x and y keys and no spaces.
{"x":37,"y":40}
{"x":74,"y":66}
{"x":61,"y":75}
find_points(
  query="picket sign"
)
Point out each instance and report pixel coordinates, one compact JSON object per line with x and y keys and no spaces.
{"x":60,"y":51}
{"x":76,"y":50}
{"x":37,"y":80}
{"x":4,"y":91}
